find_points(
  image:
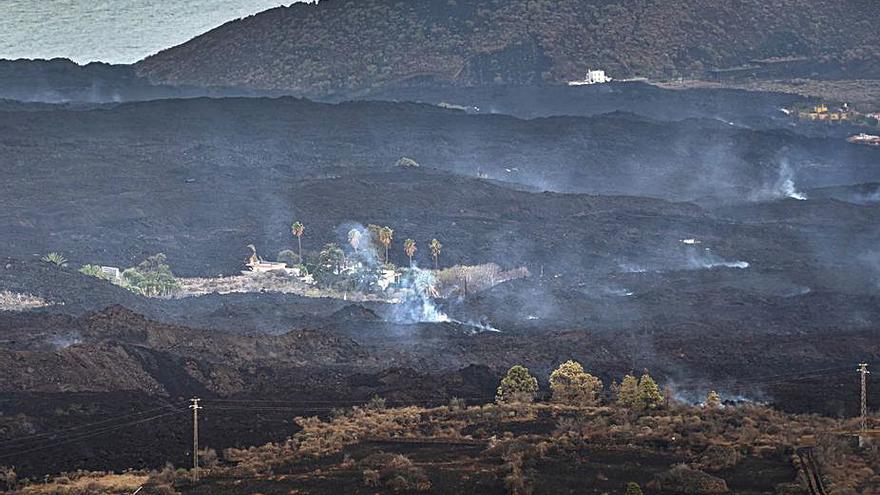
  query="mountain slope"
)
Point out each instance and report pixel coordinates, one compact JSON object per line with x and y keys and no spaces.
{"x":336,"y":45}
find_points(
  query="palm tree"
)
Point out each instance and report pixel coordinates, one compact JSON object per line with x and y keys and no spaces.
{"x":298,"y":229}
{"x":435,"y":252}
{"x":409,"y":247}
{"x":386,"y":235}
{"x":354,"y":239}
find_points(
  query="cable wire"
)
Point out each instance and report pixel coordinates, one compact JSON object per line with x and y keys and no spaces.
{"x":91,"y":434}
{"x":78,"y":427}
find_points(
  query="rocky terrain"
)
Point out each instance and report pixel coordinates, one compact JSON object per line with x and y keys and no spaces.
{"x":134,"y":179}
{"x":333,"y":46}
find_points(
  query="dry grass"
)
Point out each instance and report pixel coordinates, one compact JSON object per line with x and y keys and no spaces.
{"x":263,"y":282}
{"x":457,"y":279}
{"x":13,"y":301}
{"x":711,"y":439}
{"x":321,"y":438}
{"x":88,"y":483}
{"x":394,"y":471}
{"x":256,"y":282}
{"x":462,"y":278}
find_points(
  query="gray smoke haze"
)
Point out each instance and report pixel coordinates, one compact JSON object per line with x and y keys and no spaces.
{"x":64,"y":341}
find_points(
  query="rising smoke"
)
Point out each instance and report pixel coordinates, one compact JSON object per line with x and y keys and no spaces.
{"x":418,"y":305}
{"x":706,"y":259}
{"x":782,"y":187}
{"x":693,"y":258}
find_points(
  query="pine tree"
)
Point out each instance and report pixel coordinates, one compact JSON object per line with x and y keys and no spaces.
{"x":649,"y":393}
{"x":517,"y":386}
{"x":572,"y":385}
{"x":628,"y":393}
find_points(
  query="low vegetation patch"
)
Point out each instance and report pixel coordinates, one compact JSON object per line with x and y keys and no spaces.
{"x":13,"y":301}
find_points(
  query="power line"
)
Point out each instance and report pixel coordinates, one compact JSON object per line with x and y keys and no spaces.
{"x":79,"y":427}
{"x":333,"y":401}
{"x":86,"y":435}
{"x":770,"y":379}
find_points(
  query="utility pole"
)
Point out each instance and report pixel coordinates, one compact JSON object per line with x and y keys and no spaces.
{"x":194,"y":405}
{"x":863,"y":370}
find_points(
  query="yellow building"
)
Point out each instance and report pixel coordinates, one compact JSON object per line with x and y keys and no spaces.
{"x":821,"y":113}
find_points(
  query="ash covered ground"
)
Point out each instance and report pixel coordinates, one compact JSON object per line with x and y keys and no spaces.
{"x":699,"y":234}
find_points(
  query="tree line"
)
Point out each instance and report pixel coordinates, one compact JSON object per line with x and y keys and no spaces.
{"x":570,"y":384}
{"x":378,"y":236}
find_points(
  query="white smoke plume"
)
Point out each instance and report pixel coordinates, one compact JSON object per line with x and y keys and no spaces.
{"x":781,"y":188}
{"x":418,"y":305}
{"x":706,"y":259}
{"x":65,"y":341}
{"x":694,"y":259}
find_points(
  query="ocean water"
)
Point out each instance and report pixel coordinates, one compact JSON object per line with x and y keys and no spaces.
{"x":113,"y":31}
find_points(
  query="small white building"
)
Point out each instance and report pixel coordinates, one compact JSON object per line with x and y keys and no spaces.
{"x":111,"y":272}
{"x":592,"y":77}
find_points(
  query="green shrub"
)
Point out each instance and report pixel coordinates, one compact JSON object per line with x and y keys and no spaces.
{"x":517,"y":386}
{"x":376,"y":403}
{"x":633,"y":488}
{"x":93,"y":271}
{"x":55,"y":259}
{"x":152,"y":277}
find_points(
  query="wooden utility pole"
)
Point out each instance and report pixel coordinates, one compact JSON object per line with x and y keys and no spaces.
{"x":863,"y":370}
{"x":194,"y":405}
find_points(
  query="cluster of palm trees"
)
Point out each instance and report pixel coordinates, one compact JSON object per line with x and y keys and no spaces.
{"x":381,"y":235}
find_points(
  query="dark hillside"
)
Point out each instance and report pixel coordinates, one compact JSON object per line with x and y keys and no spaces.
{"x":335,"y":45}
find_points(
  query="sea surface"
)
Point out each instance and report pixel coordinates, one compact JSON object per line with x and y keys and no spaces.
{"x":113,"y":31}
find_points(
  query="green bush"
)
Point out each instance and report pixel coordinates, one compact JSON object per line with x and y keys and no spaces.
{"x":376,"y":403}
{"x":633,"y":488}
{"x":93,"y":271}
{"x":55,"y":259}
{"x":517,"y":386}
{"x":152,"y":277}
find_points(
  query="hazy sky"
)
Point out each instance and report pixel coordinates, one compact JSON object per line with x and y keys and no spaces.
{"x":116,"y":31}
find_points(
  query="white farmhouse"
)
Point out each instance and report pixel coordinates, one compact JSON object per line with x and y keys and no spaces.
{"x":592,"y":77}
